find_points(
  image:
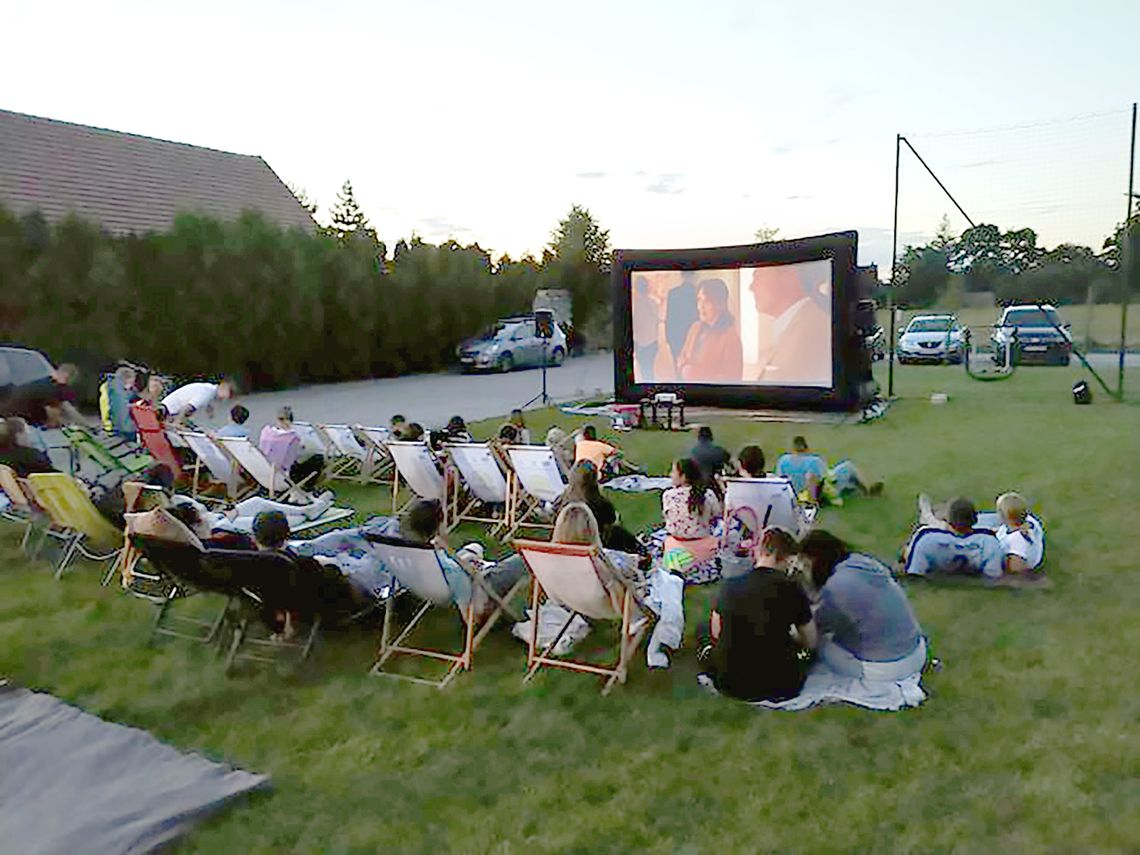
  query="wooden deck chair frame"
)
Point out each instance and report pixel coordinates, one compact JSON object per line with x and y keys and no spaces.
{"x":346,"y":458}
{"x":379,"y":463}
{"x":137,"y":497}
{"x":596,"y":574}
{"x":219,"y":464}
{"x":468,"y":492}
{"x":780,"y":491}
{"x":70,"y":508}
{"x":417,"y":570}
{"x":413,"y":471}
{"x":310,"y":433}
{"x":249,"y":459}
{"x":524,"y":478}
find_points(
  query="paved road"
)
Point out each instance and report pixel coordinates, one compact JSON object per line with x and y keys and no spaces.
{"x":432,"y":399}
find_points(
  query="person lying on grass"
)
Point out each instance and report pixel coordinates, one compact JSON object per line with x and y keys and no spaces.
{"x":816,"y":483}
{"x":869,"y":627}
{"x":951,"y":543}
{"x":760,"y":622}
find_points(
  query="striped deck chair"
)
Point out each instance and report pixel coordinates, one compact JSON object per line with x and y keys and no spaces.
{"x":478,"y":490}
{"x":255,"y":464}
{"x":581,"y":579}
{"x":418,"y":569}
{"x":347,"y":457}
{"x":379,"y":464}
{"x":536,"y":479}
{"x":416,"y":466}
{"x":772,"y":500}
{"x":70,"y":508}
{"x":154,"y":439}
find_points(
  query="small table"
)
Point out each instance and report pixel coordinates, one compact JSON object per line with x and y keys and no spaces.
{"x":669,"y":406}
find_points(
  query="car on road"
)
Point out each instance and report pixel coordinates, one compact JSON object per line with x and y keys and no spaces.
{"x":932,"y":338}
{"x":22,"y":372}
{"x":512,"y":343}
{"x":1036,"y":333}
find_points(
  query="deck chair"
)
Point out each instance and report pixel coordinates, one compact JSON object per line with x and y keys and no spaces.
{"x":255,"y":464}
{"x":138,"y":498}
{"x":415,"y":465}
{"x":70,"y":508}
{"x":379,"y":464}
{"x":417,"y":569}
{"x":773,"y":501}
{"x":87,"y":444}
{"x":153,"y":437}
{"x":581,"y":578}
{"x":24,"y":511}
{"x":347,"y":457}
{"x":213,"y":461}
{"x":478,"y":488}
{"x":179,"y":567}
{"x":535,"y":479}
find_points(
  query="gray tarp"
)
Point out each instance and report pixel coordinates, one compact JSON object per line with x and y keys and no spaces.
{"x":71,"y":782}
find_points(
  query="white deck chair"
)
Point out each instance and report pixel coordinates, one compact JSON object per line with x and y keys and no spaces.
{"x":416,"y":466}
{"x":348,"y":458}
{"x":581,"y":579}
{"x":536,"y":478}
{"x":314,"y":439}
{"x":773,"y":501}
{"x":378,"y":465}
{"x":479,"y":475}
{"x":416,"y":568}
{"x":271,"y":479}
{"x":217,"y":463}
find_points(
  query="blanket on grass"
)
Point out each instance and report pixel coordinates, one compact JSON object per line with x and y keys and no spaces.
{"x":825,"y":686}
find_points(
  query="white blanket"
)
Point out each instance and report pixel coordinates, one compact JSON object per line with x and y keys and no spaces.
{"x":638,"y":483}
{"x":825,"y":686}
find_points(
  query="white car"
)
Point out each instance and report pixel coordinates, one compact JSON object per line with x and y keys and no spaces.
{"x":932,"y":338}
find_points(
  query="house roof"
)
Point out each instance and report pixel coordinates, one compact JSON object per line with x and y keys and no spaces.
{"x":129,"y":183}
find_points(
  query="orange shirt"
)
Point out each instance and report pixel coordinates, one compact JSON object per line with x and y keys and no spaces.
{"x":593,"y":450}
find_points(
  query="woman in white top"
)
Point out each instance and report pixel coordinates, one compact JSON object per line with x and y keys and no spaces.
{"x":689,"y":508}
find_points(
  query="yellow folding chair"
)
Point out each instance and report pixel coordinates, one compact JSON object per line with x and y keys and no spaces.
{"x":70,"y":508}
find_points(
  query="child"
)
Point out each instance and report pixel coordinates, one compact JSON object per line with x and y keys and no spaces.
{"x":1021,"y":536}
{"x":239,"y":415}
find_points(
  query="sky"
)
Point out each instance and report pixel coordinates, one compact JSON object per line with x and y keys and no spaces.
{"x":676,"y":124}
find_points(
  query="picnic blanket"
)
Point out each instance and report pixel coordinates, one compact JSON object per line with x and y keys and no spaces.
{"x":826,"y":686}
{"x":638,"y":483}
{"x":71,"y":782}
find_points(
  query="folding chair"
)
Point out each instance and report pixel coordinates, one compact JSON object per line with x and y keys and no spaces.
{"x":772,"y":499}
{"x":535,"y":479}
{"x":476,"y":471}
{"x":179,"y":567}
{"x":257,"y":466}
{"x":416,"y":466}
{"x":416,"y":568}
{"x":154,"y":439}
{"x":24,"y":511}
{"x":347,"y":457}
{"x":379,"y":463}
{"x":138,"y":498}
{"x":85,"y":442}
{"x":582,"y":579}
{"x":217,"y":463}
{"x":70,"y":508}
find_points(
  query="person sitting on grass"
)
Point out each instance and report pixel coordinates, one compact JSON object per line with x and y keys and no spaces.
{"x":751,"y":462}
{"x":519,"y":422}
{"x":583,"y":488}
{"x":814,"y":482}
{"x":870,"y":630}
{"x":1021,"y":536}
{"x":712,"y":458}
{"x":607,"y":459}
{"x":236,"y":427}
{"x":951,"y":543}
{"x":760,"y":622}
{"x":689,"y":509}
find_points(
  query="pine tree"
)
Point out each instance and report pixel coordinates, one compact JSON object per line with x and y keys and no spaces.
{"x":347,"y":218}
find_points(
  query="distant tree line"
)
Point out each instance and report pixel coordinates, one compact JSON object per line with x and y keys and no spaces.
{"x":275,"y":306}
{"x":1011,"y":265}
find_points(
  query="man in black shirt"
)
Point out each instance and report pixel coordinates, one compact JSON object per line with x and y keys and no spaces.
{"x":711,"y":457}
{"x":754,"y":653}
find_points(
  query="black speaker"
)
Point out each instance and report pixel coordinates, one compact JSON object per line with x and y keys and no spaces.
{"x":1082,"y":394}
{"x":544,"y":323}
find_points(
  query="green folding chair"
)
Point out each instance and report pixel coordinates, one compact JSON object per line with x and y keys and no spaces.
{"x":132,"y":462}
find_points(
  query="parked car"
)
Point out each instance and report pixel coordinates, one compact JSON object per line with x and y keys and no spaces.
{"x":512,"y":343}
{"x":1035,"y":334}
{"x":21,"y":371}
{"x":932,"y":338}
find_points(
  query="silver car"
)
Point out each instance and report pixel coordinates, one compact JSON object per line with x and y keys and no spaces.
{"x":932,"y":338}
{"x":512,"y":343}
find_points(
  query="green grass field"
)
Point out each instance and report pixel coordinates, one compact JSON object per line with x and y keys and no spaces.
{"x":1098,"y":328}
{"x":1027,"y":743}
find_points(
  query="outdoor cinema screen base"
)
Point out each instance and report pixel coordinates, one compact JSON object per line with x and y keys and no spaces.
{"x":769,"y":325}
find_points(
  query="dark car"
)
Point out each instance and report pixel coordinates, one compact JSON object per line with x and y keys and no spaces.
{"x":1034,"y":333}
{"x":22,"y":372}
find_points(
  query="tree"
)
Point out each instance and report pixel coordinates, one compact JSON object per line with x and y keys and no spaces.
{"x":577,"y":259}
{"x":764,"y":234}
{"x":301,"y":196}
{"x":944,"y":238}
{"x":348,"y":219}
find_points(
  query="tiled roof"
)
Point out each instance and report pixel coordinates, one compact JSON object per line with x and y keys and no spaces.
{"x":129,"y":183}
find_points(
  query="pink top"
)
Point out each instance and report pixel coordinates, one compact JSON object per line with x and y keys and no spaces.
{"x":683,"y":523}
{"x":279,"y":446}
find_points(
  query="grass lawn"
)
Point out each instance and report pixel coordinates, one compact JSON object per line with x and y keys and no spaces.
{"x":1028,"y":741}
